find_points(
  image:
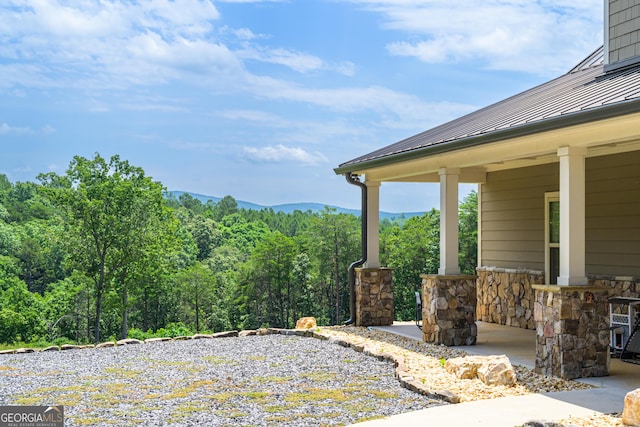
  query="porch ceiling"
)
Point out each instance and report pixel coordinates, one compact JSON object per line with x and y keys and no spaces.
{"x":602,"y":137}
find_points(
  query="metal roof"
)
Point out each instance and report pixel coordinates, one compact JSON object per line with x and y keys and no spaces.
{"x":583,"y":93}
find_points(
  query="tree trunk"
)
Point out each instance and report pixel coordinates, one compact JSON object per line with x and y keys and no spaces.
{"x":145,"y":310}
{"x":197,"y":314}
{"x":96,"y":332}
{"x":125,"y":313}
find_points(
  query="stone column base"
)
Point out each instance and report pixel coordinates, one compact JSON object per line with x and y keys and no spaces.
{"x":449,"y":309}
{"x":572,"y":327}
{"x":374,"y":297}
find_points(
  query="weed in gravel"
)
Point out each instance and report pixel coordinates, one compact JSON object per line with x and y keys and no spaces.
{"x":256,"y":395}
{"x":363,"y":419}
{"x":317,"y":395}
{"x":219,"y":360}
{"x":277,"y":408}
{"x":319,"y":376}
{"x":183,"y":392}
{"x":381,"y":394}
{"x":28,"y":401}
{"x":185,"y":410}
{"x":273,"y":379}
{"x":122,"y":372}
{"x":257,"y":358}
{"x":89,"y":421}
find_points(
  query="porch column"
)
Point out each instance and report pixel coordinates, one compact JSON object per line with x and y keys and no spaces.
{"x":572,"y":322}
{"x":572,"y":216}
{"x":449,"y":178}
{"x":373,"y":224}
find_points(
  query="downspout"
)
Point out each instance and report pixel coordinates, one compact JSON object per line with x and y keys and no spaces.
{"x":355,"y":180}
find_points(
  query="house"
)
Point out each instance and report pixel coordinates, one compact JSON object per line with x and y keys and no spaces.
{"x":558,"y":174}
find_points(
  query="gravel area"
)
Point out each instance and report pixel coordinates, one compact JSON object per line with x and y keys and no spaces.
{"x":253,"y":381}
{"x":264,"y":380}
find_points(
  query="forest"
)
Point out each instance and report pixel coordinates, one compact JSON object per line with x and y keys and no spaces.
{"x":104,"y":252}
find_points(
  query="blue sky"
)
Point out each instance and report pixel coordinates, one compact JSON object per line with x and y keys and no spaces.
{"x":262,"y":99}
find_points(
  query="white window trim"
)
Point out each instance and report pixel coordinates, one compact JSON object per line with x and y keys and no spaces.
{"x":553,"y":196}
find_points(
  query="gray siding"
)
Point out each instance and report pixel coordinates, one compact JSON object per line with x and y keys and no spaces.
{"x":613,"y":215}
{"x":513,"y":216}
{"x":624,"y":30}
{"x":512,"y":204}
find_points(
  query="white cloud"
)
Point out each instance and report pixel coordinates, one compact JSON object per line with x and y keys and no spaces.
{"x":542,"y":37}
{"x":402,"y":109}
{"x":255,"y":116}
{"x":297,"y":61}
{"x":281,"y":153}
{"x":5,"y":129}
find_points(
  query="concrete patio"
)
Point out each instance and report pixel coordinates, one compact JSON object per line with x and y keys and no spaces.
{"x":519,"y":345}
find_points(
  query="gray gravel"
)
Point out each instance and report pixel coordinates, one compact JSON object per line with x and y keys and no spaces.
{"x":248,"y":381}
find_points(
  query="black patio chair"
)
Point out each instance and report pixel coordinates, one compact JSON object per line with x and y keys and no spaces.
{"x":631,"y":351}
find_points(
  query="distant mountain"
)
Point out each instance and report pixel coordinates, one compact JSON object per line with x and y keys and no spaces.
{"x":291,"y":207}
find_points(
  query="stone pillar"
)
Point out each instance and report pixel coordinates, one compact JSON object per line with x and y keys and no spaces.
{"x":448,"y":309}
{"x":374,"y":297}
{"x":572,"y":331}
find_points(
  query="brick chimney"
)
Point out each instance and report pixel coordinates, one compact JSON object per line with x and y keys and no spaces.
{"x":621,"y":33}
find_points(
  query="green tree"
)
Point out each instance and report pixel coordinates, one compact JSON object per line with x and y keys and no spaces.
{"x":20,"y":312}
{"x":334,"y":243}
{"x":411,"y":250}
{"x":269,"y":284}
{"x":226,"y":206}
{"x":468,"y":229}
{"x":106,"y":206}
{"x":197,"y":288}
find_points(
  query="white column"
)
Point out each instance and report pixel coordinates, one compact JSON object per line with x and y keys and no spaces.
{"x":572,"y":216}
{"x":373,"y":224}
{"x":449,"y":178}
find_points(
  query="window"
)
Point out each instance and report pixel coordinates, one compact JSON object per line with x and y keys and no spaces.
{"x":552,"y":237}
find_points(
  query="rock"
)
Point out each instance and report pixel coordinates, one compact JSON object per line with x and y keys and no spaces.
{"x":497,"y":370}
{"x":631,"y":412}
{"x":492,"y":370}
{"x":306,"y":323}
{"x":535,"y":423}
{"x":158,"y":339}
{"x":183,"y":338}
{"x":247,"y":333}
{"x":202,"y":336}
{"x":464,"y":368}
{"x":51,"y":348}
{"x":225,"y":334}
{"x":24,"y":350}
{"x":7,"y":352}
{"x":70,"y":347}
{"x":106,"y":344}
{"x":128,"y":341}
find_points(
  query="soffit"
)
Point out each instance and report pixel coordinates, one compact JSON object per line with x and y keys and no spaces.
{"x":603,"y":137}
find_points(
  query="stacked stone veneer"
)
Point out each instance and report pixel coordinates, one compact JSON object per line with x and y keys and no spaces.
{"x":619,"y":286}
{"x":506,"y":296}
{"x":572,"y":331}
{"x":449,"y":309}
{"x":374,"y":297}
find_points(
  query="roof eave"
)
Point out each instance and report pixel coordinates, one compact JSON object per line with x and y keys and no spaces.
{"x":573,"y":119}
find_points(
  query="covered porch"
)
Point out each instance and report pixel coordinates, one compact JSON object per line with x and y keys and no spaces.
{"x":558,"y":180}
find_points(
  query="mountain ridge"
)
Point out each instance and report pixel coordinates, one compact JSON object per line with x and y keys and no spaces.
{"x":292,"y":207}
